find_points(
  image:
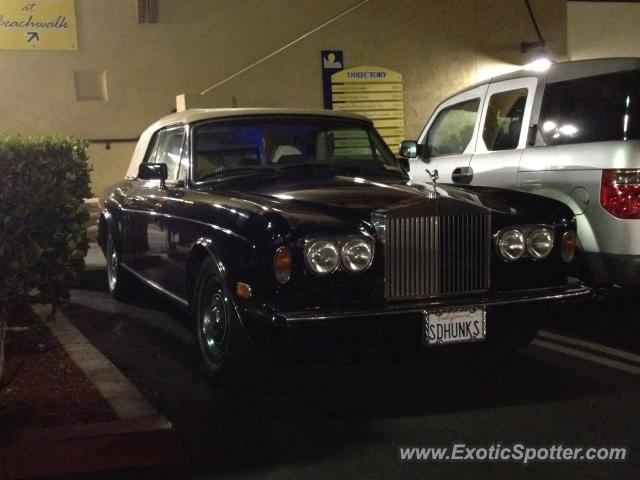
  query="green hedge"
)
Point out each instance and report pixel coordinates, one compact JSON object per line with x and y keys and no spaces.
{"x":43,"y":217}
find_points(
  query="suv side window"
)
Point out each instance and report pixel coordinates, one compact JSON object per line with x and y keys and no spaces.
{"x":503,"y":122}
{"x":452,"y":129}
{"x":592,"y":109}
{"x":168,"y":146}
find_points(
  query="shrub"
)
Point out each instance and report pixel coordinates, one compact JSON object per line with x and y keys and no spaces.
{"x":43,"y":220}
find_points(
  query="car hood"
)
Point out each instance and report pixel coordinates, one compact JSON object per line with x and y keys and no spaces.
{"x":339,"y":192}
{"x":342,"y":200}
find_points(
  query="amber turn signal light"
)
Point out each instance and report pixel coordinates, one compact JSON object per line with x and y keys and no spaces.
{"x":282,"y":262}
{"x":243,"y":290}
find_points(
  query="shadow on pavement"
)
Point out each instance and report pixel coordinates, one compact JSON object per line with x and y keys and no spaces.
{"x":303,"y":413}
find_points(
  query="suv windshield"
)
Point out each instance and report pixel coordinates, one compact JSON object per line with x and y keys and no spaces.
{"x":235,"y":147}
{"x":592,"y":109}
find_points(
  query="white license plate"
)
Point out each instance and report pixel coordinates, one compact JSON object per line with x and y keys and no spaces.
{"x":454,"y":326}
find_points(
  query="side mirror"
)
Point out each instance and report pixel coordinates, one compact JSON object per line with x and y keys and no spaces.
{"x":408,"y":149}
{"x":153,"y":171}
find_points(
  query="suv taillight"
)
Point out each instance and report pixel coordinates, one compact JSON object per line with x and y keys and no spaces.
{"x":620,"y":192}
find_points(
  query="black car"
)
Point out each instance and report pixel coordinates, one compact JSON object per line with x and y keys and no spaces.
{"x":282,"y":226}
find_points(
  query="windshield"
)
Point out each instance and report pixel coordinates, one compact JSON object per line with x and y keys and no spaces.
{"x":221,"y":149}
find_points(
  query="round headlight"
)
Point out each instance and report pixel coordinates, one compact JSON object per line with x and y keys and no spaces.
{"x":357,"y":255}
{"x":511,"y":245}
{"x":569,"y":242}
{"x":539,"y":243}
{"x":322,"y":256}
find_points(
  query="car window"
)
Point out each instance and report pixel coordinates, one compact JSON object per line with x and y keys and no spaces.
{"x":183,"y":168}
{"x":150,"y":155}
{"x":271,"y":143}
{"x":503,"y":122}
{"x":168,"y":149}
{"x":451,"y":131}
{"x":592,"y":109}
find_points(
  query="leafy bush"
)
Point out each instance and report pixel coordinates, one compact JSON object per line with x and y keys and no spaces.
{"x":43,"y":219}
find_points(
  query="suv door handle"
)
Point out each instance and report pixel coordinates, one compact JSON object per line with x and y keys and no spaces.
{"x":462,"y":175}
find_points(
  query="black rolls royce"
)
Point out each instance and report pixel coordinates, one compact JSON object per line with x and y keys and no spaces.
{"x":274,"y":226}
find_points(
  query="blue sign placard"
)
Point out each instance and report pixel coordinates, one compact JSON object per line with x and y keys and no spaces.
{"x":332,"y":62}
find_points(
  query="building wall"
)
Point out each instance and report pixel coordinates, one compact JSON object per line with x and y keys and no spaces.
{"x":439,"y":45}
{"x":603,"y":29}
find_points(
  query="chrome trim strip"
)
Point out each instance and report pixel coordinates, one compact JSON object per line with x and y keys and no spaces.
{"x":567,"y":293}
{"x":157,"y":287}
{"x":199,"y":222}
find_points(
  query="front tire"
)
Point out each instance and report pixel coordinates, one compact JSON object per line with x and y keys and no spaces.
{"x":222,"y":343}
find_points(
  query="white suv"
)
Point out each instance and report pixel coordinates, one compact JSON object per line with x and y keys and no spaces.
{"x":571,"y":132}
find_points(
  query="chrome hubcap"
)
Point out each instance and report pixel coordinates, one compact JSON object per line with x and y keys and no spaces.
{"x":214,"y":327}
{"x":112,"y":264}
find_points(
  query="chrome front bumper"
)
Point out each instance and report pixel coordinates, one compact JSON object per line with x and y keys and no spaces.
{"x":573,"y":290}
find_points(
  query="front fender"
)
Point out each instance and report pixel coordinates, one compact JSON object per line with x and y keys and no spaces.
{"x":235,"y":261}
{"x":587,"y":239}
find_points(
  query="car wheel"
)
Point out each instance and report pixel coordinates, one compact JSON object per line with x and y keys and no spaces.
{"x":118,"y":280}
{"x":222,"y":343}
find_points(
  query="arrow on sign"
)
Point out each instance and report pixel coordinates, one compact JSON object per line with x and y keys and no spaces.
{"x":33,"y":36}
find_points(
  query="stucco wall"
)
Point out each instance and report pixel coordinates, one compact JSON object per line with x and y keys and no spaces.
{"x":439,"y":46}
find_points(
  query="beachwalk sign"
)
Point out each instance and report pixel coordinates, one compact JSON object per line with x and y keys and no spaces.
{"x":38,"y":25}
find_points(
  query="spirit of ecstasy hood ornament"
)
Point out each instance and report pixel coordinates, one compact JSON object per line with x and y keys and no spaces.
{"x":434,"y":179}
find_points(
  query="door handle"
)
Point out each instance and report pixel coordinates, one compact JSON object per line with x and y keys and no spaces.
{"x":462,"y":175}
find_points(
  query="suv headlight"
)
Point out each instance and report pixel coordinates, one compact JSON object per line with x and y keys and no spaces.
{"x":322,"y":256}
{"x":356,"y":255}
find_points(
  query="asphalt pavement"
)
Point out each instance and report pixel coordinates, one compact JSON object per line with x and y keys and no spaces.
{"x":578,"y":386}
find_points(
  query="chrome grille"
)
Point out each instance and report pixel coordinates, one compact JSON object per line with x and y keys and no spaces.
{"x":437,"y":255}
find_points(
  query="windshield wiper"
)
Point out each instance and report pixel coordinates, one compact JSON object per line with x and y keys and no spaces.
{"x":319,"y":166}
{"x":343,"y":169}
{"x":237,"y":172}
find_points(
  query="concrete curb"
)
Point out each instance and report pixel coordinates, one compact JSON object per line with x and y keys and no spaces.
{"x":125,"y":399}
{"x":139,"y":438}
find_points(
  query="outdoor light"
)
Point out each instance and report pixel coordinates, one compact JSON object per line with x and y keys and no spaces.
{"x":526,"y":47}
{"x":541,"y":64}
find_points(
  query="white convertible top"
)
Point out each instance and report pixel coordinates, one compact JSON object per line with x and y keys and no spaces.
{"x":195,"y":115}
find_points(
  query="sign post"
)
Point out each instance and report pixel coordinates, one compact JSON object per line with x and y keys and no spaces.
{"x":332,"y":62}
